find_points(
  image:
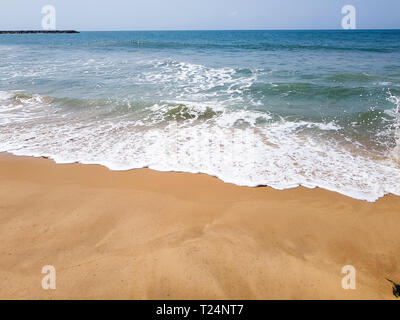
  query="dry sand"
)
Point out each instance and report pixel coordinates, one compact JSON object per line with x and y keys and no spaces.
{"x":144,"y":234}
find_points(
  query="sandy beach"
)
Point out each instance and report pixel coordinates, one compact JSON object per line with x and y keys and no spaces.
{"x":143,"y":234}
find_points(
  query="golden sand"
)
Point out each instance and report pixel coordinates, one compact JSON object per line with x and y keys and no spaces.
{"x":144,"y":234}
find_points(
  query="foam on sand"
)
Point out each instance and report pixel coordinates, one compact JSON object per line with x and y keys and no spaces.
{"x":244,"y":147}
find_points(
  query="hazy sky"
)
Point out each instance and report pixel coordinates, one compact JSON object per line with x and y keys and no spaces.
{"x":198,"y":14}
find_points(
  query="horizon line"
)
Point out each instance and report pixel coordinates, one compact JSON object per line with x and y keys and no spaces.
{"x":314,"y":29}
{"x":167,"y":30}
{"x":160,"y":30}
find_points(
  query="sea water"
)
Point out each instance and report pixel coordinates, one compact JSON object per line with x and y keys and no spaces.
{"x":254,"y":108}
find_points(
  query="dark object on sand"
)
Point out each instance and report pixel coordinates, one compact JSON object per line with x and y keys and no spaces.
{"x":37,"y":31}
{"x":396,"y":288}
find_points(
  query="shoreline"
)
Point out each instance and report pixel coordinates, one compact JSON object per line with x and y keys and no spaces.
{"x":145,"y":234}
{"x":354,"y":196}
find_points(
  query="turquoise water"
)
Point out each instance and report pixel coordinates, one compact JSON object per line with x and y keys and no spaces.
{"x":276,"y":108}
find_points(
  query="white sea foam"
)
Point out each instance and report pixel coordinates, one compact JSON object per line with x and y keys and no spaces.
{"x":395,"y":113}
{"x":198,"y":82}
{"x":244,"y":147}
{"x":6,"y":95}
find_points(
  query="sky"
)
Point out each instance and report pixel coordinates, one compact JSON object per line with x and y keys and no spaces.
{"x":85,"y":15}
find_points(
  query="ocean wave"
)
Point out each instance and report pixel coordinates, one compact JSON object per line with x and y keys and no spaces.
{"x":261,"y":46}
{"x":245,"y":147}
{"x":352,"y":77}
{"x":309,"y":90}
{"x":395,"y":113}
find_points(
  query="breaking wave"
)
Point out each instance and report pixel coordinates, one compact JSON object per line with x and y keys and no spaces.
{"x":245,"y":147}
